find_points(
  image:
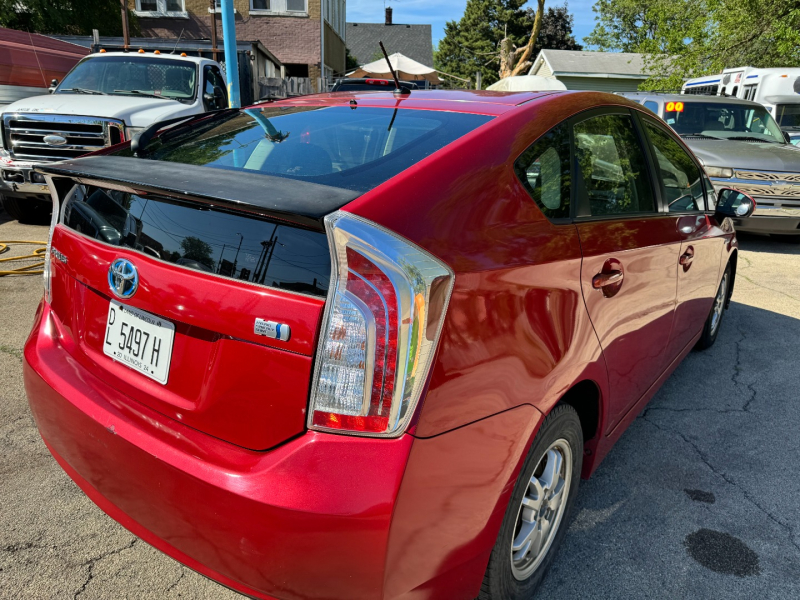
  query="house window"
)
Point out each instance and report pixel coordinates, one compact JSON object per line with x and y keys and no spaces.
{"x":161,"y":8}
{"x":278,"y":7}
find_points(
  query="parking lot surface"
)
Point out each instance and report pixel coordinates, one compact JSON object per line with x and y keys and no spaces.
{"x":700,"y":497}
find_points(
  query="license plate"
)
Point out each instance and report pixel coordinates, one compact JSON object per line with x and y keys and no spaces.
{"x":140,"y":340}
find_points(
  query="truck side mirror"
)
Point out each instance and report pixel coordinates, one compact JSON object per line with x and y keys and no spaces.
{"x":53,"y":85}
{"x":733,"y":203}
{"x":787,"y":137}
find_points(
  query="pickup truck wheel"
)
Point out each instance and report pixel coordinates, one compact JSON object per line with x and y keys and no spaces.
{"x":537,"y":515}
{"x":714,"y":320}
{"x":28,"y":210}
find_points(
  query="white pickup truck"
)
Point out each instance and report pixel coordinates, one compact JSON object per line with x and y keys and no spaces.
{"x":107,"y":98}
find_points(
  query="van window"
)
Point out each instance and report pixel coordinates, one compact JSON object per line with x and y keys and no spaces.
{"x":651,"y":105}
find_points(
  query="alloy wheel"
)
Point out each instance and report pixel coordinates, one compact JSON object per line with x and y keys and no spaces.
{"x":541,"y":510}
{"x":719,"y":304}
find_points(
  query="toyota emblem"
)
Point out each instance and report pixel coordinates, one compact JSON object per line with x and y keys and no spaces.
{"x":123,"y":279}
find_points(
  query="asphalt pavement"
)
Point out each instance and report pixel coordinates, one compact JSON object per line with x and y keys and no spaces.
{"x":699,"y":499}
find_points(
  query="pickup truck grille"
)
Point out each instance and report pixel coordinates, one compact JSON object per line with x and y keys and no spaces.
{"x":46,"y":137}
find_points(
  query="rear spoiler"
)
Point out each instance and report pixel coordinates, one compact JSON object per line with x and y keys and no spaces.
{"x":299,"y":202}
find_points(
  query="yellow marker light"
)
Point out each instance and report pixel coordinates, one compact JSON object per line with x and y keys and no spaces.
{"x":157,"y":52}
{"x":102,"y":50}
{"x":183,"y":53}
{"x":141,"y":51}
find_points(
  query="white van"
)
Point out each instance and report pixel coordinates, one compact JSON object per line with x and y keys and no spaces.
{"x":778,"y":90}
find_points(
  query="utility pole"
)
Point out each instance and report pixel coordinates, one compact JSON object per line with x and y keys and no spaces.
{"x":123,"y":4}
{"x":213,"y":7}
{"x":236,"y":258}
{"x":231,"y":55}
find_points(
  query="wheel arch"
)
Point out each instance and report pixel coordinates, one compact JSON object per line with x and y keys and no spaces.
{"x":733,"y":261}
{"x":584,"y":396}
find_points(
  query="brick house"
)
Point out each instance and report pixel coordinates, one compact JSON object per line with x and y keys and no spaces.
{"x":289,"y":29}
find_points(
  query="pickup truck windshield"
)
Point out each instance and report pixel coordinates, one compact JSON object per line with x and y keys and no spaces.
{"x":352,"y":148}
{"x":724,"y":121}
{"x":137,"y":75}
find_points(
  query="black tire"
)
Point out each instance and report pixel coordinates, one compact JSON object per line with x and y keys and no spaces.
{"x":28,"y":210}
{"x":712,"y":326}
{"x":499,"y":582}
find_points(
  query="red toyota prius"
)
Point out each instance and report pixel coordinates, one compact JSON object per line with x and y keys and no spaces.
{"x":365,"y":345}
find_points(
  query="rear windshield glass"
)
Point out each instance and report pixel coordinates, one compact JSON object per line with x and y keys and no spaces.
{"x":353,"y":148}
{"x":243,"y":247}
{"x":723,"y":121}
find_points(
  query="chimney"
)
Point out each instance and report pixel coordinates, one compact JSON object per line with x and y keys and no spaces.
{"x":388,"y":15}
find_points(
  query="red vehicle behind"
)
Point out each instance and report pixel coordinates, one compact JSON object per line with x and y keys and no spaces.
{"x":365,"y":345}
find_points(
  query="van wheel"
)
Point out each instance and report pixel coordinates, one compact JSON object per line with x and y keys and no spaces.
{"x":28,"y":210}
{"x":537,"y":515}
{"x":714,"y":320}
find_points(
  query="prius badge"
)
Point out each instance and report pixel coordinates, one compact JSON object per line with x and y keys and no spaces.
{"x":123,"y":279}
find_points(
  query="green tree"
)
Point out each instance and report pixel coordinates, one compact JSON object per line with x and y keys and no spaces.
{"x":68,"y":17}
{"x":350,"y":61}
{"x":472,"y":43}
{"x":689,"y":38}
{"x":196,"y":249}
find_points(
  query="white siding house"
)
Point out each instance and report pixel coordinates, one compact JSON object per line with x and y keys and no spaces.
{"x":598,"y":71}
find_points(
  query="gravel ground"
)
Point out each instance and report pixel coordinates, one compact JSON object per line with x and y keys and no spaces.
{"x":700,"y":497}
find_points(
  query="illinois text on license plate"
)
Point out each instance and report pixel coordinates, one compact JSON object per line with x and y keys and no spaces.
{"x":140,"y":340}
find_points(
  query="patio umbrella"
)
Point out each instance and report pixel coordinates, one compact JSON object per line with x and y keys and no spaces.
{"x":406,"y":68}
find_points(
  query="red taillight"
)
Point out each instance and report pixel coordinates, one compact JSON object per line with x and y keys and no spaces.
{"x":377,"y":82}
{"x":379,"y":336}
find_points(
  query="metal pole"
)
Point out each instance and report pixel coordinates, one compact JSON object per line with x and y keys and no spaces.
{"x":322,"y":46}
{"x":123,"y":5}
{"x":231,"y":56}
{"x":213,"y":29}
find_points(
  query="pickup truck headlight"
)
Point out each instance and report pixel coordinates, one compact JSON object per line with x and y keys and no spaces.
{"x":722,"y":172}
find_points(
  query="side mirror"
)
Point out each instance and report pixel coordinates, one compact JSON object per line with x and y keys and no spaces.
{"x":735,"y":204}
{"x":53,"y":85}
{"x":787,"y":137}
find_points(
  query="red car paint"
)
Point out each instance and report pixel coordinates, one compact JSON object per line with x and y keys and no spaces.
{"x":244,"y":493}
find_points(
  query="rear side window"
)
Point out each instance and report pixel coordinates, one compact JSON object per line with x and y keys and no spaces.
{"x":354,"y":148}
{"x":545,"y":173}
{"x":229,"y":244}
{"x":612,"y":166}
{"x":678,"y":174}
{"x":650,"y":105}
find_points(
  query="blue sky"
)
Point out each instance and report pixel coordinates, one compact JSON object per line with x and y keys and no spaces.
{"x":438,"y":12}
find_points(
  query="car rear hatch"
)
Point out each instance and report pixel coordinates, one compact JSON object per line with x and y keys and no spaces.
{"x":198,"y":305}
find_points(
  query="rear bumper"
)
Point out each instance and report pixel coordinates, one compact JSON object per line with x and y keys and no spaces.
{"x":310,"y":517}
{"x":20,"y":181}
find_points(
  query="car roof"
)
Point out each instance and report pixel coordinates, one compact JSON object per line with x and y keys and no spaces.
{"x":481,"y":102}
{"x":689,"y":98}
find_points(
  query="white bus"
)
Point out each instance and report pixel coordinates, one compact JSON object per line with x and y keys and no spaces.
{"x":778,"y":89}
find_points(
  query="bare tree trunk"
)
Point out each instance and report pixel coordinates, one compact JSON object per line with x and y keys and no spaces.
{"x":513,"y":63}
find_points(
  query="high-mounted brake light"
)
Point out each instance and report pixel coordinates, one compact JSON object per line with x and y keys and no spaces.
{"x":382,"y":322}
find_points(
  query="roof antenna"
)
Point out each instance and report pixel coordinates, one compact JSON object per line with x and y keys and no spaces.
{"x":397,"y":88}
{"x":179,"y":41}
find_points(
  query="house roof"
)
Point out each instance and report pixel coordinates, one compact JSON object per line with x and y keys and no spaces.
{"x":580,"y":63}
{"x":413,"y":41}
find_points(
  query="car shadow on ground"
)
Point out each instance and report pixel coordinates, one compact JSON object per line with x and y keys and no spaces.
{"x":753,"y":242}
{"x":699,"y":496}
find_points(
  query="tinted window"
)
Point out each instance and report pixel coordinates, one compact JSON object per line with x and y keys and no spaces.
{"x":355,"y":149}
{"x":612,"y":166}
{"x":545,"y":173}
{"x":679,"y":176}
{"x":140,"y":75}
{"x":711,"y":193}
{"x":225,"y":243}
{"x":788,"y":115}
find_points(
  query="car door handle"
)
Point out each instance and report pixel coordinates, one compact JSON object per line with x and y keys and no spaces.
{"x":602,"y":280}
{"x":687,"y":257}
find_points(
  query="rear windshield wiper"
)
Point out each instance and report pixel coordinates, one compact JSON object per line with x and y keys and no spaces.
{"x":141,"y":93}
{"x":84,"y":91}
